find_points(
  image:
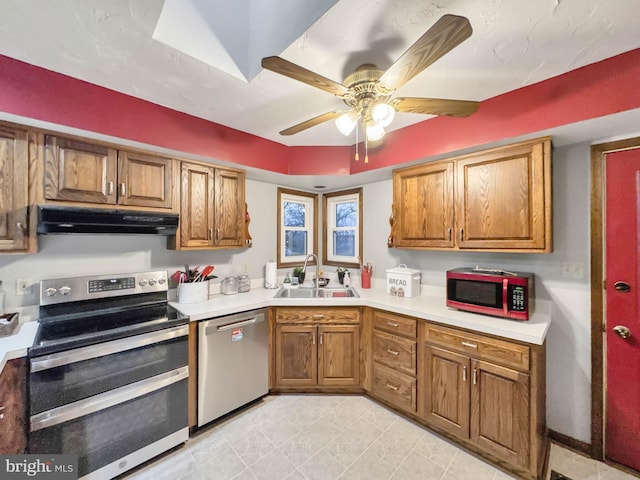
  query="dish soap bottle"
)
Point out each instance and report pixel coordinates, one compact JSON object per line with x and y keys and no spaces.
{"x":286,"y":283}
{"x":347,"y":280}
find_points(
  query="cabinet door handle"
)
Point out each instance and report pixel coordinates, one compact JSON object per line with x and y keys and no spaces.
{"x":317,"y":316}
{"x":392,"y":352}
{"x":449,"y":232}
{"x":2,"y":411}
{"x":464,"y":374}
{"x":210,"y":234}
{"x":110,"y":188}
{"x":475,"y":376}
{"x":123,"y":189}
{"x":391,"y":387}
{"x":217,"y":234}
{"x":313,"y":338}
{"x":393,"y":324}
{"x":320,"y":339}
{"x":460,"y":234}
{"x":20,"y":227}
{"x":470,"y":345}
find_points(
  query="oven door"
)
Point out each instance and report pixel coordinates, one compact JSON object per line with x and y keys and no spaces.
{"x":114,"y":404}
{"x":117,"y":430}
{"x":66,"y":377}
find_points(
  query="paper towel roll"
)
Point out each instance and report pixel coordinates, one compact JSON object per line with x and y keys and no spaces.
{"x":270,"y":275}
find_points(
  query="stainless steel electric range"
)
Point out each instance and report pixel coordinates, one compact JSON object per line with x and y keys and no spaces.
{"x":108,"y":372}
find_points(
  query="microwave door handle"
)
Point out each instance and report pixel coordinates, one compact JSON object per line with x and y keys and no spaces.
{"x":505,"y":300}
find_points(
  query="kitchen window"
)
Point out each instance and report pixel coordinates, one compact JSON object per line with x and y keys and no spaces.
{"x":298,"y":222}
{"x":343,"y":228}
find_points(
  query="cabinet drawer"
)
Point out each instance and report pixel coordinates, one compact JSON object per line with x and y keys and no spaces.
{"x":394,"y":324}
{"x":317,"y":315}
{"x":394,"y":387}
{"x":480,"y":346}
{"x":395,"y":352}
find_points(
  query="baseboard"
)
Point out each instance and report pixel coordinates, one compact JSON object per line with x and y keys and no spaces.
{"x":571,"y":443}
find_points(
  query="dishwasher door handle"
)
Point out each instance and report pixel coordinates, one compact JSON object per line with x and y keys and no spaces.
{"x":211,"y":329}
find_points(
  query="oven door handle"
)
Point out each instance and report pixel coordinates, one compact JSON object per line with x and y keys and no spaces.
{"x":108,"y":348}
{"x":105,"y":400}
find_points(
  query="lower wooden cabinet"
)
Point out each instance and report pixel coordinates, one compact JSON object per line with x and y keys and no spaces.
{"x":485,"y":393}
{"x":316,"y":349}
{"x":13,"y":407}
{"x":488,"y":393}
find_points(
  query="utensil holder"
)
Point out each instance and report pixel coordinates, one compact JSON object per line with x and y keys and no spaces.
{"x":193,"y":292}
{"x":365,"y":279}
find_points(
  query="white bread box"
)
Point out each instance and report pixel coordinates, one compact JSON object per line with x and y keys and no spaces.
{"x":403,"y":281}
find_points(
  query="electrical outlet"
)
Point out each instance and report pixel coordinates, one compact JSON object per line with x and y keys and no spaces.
{"x":23,"y":286}
{"x":573,"y":269}
{"x":245,"y":268}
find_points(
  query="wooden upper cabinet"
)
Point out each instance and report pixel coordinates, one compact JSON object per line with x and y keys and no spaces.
{"x":77,"y":171}
{"x":196,"y":206}
{"x":503,"y":198}
{"x":495,"y":200}
{"x":423,"y":203}
{"x":144,"y":180}
{"x":14,"y":195}
{"x":229,"y":208}
{"x":211,"y":208}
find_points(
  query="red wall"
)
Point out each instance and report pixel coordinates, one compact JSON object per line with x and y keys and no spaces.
{"x":599,"y":89}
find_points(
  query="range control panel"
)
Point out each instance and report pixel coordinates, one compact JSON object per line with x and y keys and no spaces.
{"x":63,"y":290}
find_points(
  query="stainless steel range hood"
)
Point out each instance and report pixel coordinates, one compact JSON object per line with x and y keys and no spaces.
{"x":56,"y":220}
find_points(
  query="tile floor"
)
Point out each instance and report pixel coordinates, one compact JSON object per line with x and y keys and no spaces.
{"x":307,"y":437}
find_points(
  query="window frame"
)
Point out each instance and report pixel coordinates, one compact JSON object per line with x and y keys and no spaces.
{"x":328,"y":200}
{"x":310,"y":199}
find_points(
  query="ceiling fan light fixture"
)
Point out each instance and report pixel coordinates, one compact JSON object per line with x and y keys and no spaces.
{"x":374,"y":131}
{"x":347,"y":122}
{"x":383,"y":114}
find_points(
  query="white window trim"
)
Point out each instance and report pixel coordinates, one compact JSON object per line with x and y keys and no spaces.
{"x":331,"y":202}
{"x":310,"y":222}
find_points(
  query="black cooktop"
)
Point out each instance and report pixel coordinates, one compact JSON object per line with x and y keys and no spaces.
{"x":79,"y":324}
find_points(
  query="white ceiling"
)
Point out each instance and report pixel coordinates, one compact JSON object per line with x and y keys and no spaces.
{"x":111,"y":43}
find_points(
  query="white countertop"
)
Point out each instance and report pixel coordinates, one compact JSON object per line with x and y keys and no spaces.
{"x":428,"y":307}
{"x":16,"y":344}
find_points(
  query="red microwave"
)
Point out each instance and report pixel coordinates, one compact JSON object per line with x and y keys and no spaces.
{"x":491,"y":292}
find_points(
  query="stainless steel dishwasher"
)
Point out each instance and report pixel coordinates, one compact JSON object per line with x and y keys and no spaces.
{"x":232,"y":363}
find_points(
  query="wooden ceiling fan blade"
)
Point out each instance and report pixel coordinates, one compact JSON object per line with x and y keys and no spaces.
{"x":436,"y":106}
{"x":291,"y":70}
{"x":312,"y":122}
{"x":446,"y":34}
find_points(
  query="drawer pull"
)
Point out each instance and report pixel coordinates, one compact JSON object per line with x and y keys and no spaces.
{"x":392,"y":352}
{"x":470,"y":345}
{"x":393,"y":324}
{"x":317,"y":316}
{"x":391,"y":387}
{"x":464,"y":374}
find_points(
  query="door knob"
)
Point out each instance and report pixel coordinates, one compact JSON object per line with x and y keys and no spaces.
{"x":622,"y":331}
{"x":622,"y":286}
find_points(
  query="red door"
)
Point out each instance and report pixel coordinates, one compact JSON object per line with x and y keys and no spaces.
{"x":622,"y":402}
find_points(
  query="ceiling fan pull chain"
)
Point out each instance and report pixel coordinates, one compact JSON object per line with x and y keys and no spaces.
{"x":366,"y":150}
{"x":357,"y":154}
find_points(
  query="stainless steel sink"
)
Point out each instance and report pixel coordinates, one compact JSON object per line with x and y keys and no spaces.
{"x":310,"y":292}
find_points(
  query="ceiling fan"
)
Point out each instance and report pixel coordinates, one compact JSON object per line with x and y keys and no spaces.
{"x":368,"y":91}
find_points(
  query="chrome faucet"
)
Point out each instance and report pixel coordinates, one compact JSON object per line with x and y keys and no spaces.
{"x":304,"y":270}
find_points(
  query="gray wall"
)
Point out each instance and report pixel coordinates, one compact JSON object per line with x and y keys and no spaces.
{"x":568,"y":341}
